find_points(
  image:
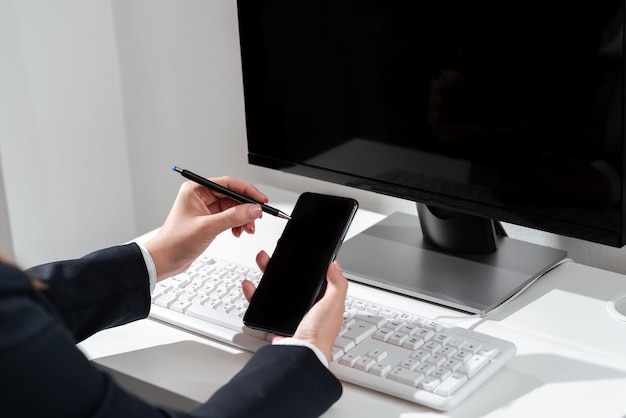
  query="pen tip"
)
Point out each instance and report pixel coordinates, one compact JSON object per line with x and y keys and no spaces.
{"x":175,"y":169}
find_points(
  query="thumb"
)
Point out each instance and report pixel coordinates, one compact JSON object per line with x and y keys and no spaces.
{"x":336,"y":278}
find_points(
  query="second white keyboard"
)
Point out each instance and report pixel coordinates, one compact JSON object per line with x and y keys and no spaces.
{"x":379,"y":347}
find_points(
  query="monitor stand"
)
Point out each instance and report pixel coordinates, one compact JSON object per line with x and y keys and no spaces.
{"x":392,"y":255}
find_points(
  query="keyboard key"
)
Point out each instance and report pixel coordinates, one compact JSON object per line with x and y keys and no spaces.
{"x":379,"y":321}
{"x":452,"y":365}
{"x":435,"y":326}
{"x":442,"y":338}
{"x":413,"y":343}
{"x":166,"y":300}
{"x":432,"y":346}
{"x":441,"y":373}
{"x":395,"y":325}
{"x":474,"y":364}
{"x":490,"y":352}
{"x":364,"y":364}
{"x":359,"y":305}
{"x":405,"y":317}
{"x":436,"y":360}
{"x":180,"y":306}
{"x":425,"y":368}
{"x":336,"y":353}
{"x":408,"y":377}
{"x":388,"y":313}
{"x":359,"y":331}
{"x":397,"y":339}
{"x":407,"y":329}
{"x":421,"y":355}
{"x":410,"y":363}
{"x":424,"y":334}
{"x":345,"y":344}
{"x":429,"y":383}
{"x":349,"y":359}
{"x":462,"y":356}
{"x":382,"y":334}
{"x":371,"y":308}
{"x":447,"y":352}
{"x":380,"y":369}
{"x":473,"y":347}
{"x":451,"y":384}
{"x":378,"y":354}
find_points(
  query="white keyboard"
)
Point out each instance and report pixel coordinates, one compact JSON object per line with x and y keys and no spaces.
{"x":398,"y":353}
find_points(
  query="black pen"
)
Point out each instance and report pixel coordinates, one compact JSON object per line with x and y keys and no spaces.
{"x":227,"y":192}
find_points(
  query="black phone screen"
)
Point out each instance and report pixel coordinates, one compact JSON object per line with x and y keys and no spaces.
{"x":296,"y":274}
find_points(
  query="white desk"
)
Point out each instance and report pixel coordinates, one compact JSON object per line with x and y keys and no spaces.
{"x":571,"y":359}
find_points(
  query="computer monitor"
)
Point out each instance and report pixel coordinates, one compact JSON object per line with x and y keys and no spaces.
{"x":479,"y":111}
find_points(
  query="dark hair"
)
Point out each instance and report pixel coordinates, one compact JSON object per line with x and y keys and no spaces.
{"x":34,"y":278}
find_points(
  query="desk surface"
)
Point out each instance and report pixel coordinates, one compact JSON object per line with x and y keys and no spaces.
{"x":571,"y":358}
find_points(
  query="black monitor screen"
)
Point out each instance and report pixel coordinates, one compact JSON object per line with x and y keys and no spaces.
{"x":506,"y":110}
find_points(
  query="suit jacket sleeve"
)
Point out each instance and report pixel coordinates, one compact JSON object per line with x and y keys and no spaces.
{"x":279,"y":381}
{"x":44,"y":373}
{"x":106,"y":288}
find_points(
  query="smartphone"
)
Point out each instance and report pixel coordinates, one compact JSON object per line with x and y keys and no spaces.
{"x":295,"y":277}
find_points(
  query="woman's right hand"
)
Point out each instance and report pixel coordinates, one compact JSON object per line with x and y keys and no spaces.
{"x":322,"y":322}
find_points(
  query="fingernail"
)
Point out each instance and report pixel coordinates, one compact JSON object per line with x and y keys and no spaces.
{"x":255,"y":211}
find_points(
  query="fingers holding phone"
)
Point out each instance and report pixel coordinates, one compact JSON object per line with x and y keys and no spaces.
{"x":248,"y":288}
{"x":296,"y":275}
{"x":322,"y":322}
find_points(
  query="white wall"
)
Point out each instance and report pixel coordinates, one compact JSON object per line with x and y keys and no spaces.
{"x":183,"y":98}
{"x":105,"y":96}
{"x":62,"y":140}
{"x":6,"y":238}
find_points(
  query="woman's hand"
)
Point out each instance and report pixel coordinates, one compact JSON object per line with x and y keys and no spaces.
{"x":197,"y":216}
{"x":322,"y":322}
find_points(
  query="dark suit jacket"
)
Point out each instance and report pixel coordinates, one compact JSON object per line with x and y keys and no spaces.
{"x":43,"y":374}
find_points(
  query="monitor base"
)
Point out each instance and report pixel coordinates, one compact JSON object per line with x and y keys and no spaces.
{"x":392,"y":255}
